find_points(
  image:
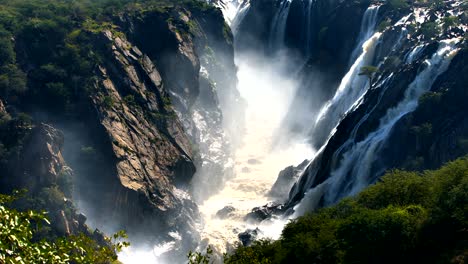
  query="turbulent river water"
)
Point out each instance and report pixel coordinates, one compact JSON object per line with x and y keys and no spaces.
{"x":268,"y":92}
{"x":259,"y":159}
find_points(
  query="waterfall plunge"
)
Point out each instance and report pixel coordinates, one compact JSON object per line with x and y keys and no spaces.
{"x":358,"y":160}
{"x":268,"y":93}
{"x":278,"y":29}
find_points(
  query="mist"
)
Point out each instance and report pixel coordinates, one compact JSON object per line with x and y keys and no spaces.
{"x":268,"y":89}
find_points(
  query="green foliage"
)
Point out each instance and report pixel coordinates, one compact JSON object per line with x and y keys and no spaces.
{"x":130,"y":100}
{"x":398,"y":4}
{"x":108,"y":102}
{"x":18,"y":243}
{"x":384,"y":25}
{"x":259,"y":253}
{"x":65,"y":182}
{"x":450,"y":21}
{"x":430,"y":30}
{"x":369,"y":72}
{"x":56,"y":38}
{"x":407,"y":217}
{"x":199,"y":258}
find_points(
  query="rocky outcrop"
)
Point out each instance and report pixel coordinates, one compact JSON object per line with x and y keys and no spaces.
{"x":286,"y":179}
{"x":154,"y":119}
{"x":249,"y":236}
{"x":152,"y":154}
{"x":35,"y":164}
{"x":226,"y":212}
{"x":41,"y":162}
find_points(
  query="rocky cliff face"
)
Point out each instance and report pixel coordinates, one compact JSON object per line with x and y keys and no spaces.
{"x":158,"y":100}
{"x":146,"y":115}
{"x":32,"y":160}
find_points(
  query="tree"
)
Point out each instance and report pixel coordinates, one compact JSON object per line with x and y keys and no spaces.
{"x":369,"y":72}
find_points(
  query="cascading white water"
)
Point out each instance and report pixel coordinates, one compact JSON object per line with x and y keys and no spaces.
{"x":230,"y":9}
{"x":351,"y":89}
{"x":368,"y":24}
{"x":352,"y":86}
{"x":242,"y":10}
{"x":308,"y":43}
{"x":358,"y":160}
{"x":361,"y":157}
{"x":348,"y":95}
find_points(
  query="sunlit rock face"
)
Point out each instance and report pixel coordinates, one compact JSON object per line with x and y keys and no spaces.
{"x":165,"y":123}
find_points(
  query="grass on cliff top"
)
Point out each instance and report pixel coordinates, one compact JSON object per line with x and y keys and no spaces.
{"x":407,"y":217}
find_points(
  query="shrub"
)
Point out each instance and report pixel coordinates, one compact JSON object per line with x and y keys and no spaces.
{"x":430,"y":30}
{"x":407,"y":217}
{"x":398,"y":4}
{"x":18,"y":230}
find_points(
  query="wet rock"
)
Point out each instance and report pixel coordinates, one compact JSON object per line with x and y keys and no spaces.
{"x":261,"y":213}
{"x":226,"y":212}
{"x":249,"y":236}
{"x":286,"y":179}
{"x":81,"y":218}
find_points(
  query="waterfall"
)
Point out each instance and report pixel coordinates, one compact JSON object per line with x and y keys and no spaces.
{"x":230,"y":9}
{"x":309,"y":27}
{"x":242,"y":10}
{"x":352,"y":87}
{"x":414,"y":54}
{"x":359,"y":160}
{"x":278,"y":27}
{"x":354,"y":170}
{"x":368,"y":25}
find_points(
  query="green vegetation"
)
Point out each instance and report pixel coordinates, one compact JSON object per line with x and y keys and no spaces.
{"x":407,"y":217}
{"x":13,"y":133}
{"x":430,"y":30}
{"x":450,"y":21}
{"x":398,"y":4}
{"x":369,"y":72}
{"x":20,"y":243}
{"x":384,"y":25}
{"x":199,"y":258}
{"x":47,"y":55}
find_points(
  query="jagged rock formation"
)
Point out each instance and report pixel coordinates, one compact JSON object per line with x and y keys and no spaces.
{"x":286,"y":179}
{"x":32,"y":160}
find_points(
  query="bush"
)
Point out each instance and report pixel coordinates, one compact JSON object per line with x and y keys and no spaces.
{"x":407,"y":217}
{"x":430,"y":30}
{"x":17,"y":232}
{"x":398,"y":4}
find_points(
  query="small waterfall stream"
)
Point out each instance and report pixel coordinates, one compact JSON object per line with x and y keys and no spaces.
{"x":278,"y":28}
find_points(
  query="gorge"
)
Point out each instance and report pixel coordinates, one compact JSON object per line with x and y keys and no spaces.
{"x":204,"y":124}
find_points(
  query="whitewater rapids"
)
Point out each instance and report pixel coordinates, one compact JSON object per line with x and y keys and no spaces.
{"x":257,"y":162}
